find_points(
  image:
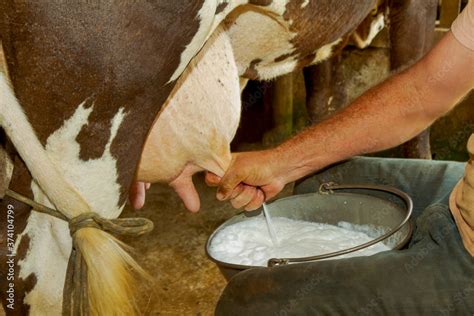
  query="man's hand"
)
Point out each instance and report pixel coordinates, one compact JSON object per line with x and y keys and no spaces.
{"x":251,"y":179}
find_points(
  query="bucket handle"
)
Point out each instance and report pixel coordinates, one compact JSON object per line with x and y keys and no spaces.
{"x":329,"y":188}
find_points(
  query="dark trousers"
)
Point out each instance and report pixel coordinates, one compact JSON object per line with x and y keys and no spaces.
{"x":433,"y":276}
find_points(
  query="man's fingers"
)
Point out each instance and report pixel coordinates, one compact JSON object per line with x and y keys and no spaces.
{"x":256,"y":202}
{"x":238,"y":190}
{"x":227,"y":185}
{"x":147,"y":185}
{"x":272,"y":190}
{"x":212,"y":179}
{"x":242,"y":199}
{"x":137,"y":195}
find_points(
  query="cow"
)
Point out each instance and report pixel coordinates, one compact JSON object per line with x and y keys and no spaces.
{"x":99,"y":94}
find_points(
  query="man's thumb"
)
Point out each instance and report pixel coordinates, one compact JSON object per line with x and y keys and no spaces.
{"x":227,"y":185}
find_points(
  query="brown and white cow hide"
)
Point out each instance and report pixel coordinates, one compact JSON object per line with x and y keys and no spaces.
{"x":285,"y":36}
{"x":199,"y":120}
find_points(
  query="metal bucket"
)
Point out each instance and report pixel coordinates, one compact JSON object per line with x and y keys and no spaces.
{"x":329,"y":207}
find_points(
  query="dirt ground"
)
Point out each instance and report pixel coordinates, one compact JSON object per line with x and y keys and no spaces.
{"x":184,"y":281}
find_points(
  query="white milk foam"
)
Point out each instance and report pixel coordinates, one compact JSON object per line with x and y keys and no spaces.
{"x":249,"y":243}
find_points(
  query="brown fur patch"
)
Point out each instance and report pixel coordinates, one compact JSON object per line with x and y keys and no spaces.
{"x":261,"y":2}
{"x":221,"y":7}
{"x":283,"y":57}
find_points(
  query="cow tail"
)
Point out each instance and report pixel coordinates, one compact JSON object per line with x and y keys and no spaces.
{"x":111,"y":273}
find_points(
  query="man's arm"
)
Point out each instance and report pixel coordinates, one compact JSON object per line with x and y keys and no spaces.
{"x":388,"y":115}
{"x":385,"y":116}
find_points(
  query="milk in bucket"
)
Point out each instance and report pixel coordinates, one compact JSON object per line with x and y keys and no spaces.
{"x":249,"y":242}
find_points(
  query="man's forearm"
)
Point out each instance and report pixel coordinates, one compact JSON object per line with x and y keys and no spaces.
{"x":385,"y":116}
{"x":382,"y":118}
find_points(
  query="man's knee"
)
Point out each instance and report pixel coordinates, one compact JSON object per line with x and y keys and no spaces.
{"x":243,"y":294}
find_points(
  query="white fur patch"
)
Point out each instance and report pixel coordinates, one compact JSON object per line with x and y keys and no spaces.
{"x":255,"y":35}
{"x":277,"y":6}
{"x":375,"y":27}
{"x":95,"y":179}
{"x":325,"y":51}
{"x":304,"y":4}
{"x":268,"y":72}
{"x":47,"y":257}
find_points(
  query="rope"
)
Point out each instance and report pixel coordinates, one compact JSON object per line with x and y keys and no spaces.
{"x":75,"y":300}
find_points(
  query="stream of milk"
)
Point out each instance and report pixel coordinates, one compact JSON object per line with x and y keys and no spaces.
{"x":248,"y":242}
{"x":270,"y":227}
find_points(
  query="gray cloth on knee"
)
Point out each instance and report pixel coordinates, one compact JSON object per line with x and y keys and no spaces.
{"x":434,"y":276}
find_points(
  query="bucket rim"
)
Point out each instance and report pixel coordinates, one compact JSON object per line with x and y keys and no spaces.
{"x":325,"y":189}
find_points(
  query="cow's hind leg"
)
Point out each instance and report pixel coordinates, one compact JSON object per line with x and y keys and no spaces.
{"x":412,"y":24}
{"x":320,"y":89}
